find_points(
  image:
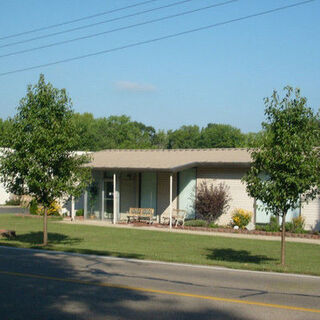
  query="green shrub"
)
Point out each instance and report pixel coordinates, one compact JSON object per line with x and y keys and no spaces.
{"x":33,"y":207}
{"x":299,"y":224}
{"x":296,"y":226}
{"x":80,"y":213}
{"x":13,"y":202}
{"x":273,"y":225}
{"x":289,"y":227}
{"x":55,"y":213}
{"x":196,"y":223}
{"x":201,"y":223}
{"x":213,"y":225}
{"x":260,"y":227}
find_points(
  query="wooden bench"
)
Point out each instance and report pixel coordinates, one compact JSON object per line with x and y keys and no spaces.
{"x":140,"y":214}
{"x":178,"y":216}
{"x":10,"y":234}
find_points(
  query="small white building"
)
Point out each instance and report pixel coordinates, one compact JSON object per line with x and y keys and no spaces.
{"x":4,"y":195}
{"x":166,"y":179}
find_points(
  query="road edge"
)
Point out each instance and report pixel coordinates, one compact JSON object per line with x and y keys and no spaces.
{"x":199,"y":266}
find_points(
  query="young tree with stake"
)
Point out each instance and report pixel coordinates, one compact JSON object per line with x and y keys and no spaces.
{"x":286,"y":166}
{"x":39,"y":159}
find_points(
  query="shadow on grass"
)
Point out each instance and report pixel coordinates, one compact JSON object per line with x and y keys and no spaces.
{"x":232,"y":255}
{"x":106,"y":253}
{"x":36,"y":238}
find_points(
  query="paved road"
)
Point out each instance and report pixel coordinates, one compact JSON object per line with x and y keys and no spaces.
{"x":42,"y":285}
{"x":9,"y":209}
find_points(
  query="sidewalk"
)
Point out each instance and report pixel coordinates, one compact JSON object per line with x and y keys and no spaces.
{"x":206,"y":233}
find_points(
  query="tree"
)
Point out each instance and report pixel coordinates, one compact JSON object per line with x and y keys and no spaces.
{"x":221,"y":136}
{"x":5,"y":127}
{"x":41,"y":162}
{"x":211,"y":201}
{"x":286,"y":166}
{"x":160,"y":140}
{"x":253,"y":139}
{"x":187,"y":137}
{"x":119,"y":132}
{"x":143,"y":136}
{"x":86,"y":128}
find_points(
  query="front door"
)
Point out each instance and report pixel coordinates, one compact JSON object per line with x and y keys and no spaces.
{"x":108,"y":199}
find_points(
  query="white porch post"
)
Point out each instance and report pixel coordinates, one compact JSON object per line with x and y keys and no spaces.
{"x":85,"y":204}
{"x":114,"y":198}
{"x":171,"y":200}
{"x":102,"y":197}
{"x":118,"y":197}
{"x":73,"y":213}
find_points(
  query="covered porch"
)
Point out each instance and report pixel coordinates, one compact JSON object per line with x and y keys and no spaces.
{"x":113,"y":193}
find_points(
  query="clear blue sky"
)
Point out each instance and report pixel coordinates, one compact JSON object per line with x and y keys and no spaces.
{"x":219,"y":75}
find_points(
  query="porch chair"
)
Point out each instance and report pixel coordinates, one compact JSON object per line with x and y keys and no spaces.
{"x":178,"y":216}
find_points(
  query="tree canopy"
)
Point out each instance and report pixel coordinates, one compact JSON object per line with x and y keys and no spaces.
{"x":184,"y":138}
{"x":286,"y":165}
{"x":121,"y":132}
{"x":41,"y":161}
{"x":221,"y":136}
{"x":114,"y":132}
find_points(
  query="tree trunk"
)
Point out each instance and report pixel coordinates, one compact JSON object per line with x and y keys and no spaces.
{"x":283,"y":235}
{"x":45,"y":229}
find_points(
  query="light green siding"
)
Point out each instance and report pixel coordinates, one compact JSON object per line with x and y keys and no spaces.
{"x":187,"y":191}
{"x":263,"y":216}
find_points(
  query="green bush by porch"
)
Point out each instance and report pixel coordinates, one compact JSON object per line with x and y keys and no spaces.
{"x":165,"y":246}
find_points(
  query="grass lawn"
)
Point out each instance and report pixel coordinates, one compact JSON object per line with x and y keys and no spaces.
{"x":165,"y":246}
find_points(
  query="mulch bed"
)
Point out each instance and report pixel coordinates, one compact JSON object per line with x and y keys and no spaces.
{"x":229,"y":230}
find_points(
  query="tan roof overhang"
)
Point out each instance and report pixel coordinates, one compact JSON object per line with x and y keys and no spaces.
{"x":168,"y":160}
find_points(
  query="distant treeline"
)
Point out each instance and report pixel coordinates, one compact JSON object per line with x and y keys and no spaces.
{"x":120,"y":132}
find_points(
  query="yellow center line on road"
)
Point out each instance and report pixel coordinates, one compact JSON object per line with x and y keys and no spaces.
{"x":179,"y":294}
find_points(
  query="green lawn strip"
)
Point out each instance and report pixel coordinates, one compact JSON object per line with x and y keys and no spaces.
{"x":156,"y":245}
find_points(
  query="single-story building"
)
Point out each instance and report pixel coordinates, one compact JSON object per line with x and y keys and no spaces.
{"x":4,"y":195}
{"x":167,"y":179}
